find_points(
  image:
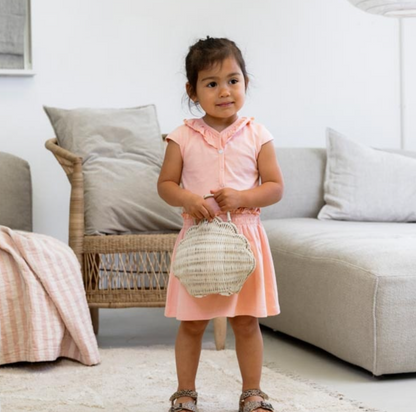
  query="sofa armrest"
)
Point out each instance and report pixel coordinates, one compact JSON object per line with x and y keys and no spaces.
{"x":15,"y":193}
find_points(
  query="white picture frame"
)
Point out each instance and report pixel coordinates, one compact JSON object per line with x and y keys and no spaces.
{"x":27,"y":70}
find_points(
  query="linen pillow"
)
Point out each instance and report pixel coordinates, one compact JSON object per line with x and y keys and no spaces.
{"x":122,"y":152}
{"x":365,"y":184}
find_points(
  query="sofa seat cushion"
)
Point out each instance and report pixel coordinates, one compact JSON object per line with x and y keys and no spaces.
{"x":349,"y":288}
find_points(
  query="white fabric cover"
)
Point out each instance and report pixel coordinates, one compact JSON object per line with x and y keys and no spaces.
{"x":122,"y":151}
{"x":303,"y":172}
{"x":365,"y":184}
{"x":348,"y":288}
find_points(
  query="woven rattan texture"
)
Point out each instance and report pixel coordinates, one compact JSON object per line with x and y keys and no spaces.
{"x":127,"y":271}
{"x":213,"y":258}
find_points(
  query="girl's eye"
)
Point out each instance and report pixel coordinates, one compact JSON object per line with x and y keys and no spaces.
{"x":212,"y":84}
{"x":233,"y":81}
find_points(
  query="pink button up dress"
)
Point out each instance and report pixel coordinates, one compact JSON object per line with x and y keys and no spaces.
{"x":213,"y":160}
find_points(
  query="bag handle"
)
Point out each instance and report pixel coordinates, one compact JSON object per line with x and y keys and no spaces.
{"x":228,"y":213}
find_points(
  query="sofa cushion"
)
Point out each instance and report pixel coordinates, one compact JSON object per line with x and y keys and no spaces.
{"x":365,"y":184}
{"x":122,"y":152}
{"x":349,"y":288}
{"x":303,"y":172}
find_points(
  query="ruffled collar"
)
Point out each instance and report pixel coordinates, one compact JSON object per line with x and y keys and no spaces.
{"x":212,"y":136}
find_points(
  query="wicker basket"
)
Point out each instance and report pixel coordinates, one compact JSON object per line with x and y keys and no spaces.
{"x":213,"y":258}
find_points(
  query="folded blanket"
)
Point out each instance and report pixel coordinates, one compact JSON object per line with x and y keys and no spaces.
{"x":43,"y":311}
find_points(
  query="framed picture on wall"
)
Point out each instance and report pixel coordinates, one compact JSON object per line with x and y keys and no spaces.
{"x":15,"y":38}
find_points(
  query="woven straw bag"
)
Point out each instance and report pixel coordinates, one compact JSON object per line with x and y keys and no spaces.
{"x":213,"y":258}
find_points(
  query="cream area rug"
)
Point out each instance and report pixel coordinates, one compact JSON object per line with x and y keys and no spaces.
{"x":142,"y":380}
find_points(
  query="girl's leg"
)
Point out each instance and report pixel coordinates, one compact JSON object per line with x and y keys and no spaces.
{"x":187,"y":353}
{"x":249,"y":348}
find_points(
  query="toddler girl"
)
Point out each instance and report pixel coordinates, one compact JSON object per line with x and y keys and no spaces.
{"x":227,"y":156}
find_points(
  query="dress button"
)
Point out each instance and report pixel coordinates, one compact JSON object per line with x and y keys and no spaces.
{"x":220,"y":151}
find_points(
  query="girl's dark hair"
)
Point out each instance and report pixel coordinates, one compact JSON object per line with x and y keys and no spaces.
{"x":205,"y":53}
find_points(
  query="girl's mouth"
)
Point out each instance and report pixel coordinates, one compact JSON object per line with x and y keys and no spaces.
{"x":225,"y":104}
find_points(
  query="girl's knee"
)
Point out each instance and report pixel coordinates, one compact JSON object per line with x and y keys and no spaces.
{"x":244,"y":325}
{"x":194,"y":327}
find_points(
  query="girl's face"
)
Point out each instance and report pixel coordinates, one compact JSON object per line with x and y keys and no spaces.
{"x":221,"y":92}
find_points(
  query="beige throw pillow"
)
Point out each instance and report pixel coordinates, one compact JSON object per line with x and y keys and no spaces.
{"x":122,"y":153}
{"x":365,"y":184}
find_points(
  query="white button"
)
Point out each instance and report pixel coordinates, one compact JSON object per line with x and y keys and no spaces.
{"x":220,"y":151}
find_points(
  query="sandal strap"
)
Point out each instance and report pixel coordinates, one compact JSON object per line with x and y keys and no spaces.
{"x":254,"y":405}
{"x":253,"y":392}
{"x":187,"y":406}
{"x":184,"y":393}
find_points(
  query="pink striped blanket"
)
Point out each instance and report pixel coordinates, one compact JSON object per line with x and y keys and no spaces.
{"x":43,"y":311}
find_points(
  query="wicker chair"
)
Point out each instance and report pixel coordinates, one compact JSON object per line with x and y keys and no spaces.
{"x":119,"y":271}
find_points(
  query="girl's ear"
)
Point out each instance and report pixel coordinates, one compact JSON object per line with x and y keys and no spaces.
{"x":246,"y":81}
{"x":190,"y":92}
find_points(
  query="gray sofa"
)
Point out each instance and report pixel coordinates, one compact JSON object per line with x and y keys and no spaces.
{"x":346,"y":287}
{"x":15,"y":193}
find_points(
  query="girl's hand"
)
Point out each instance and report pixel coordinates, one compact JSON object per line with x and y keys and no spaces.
{"x":197,"y":207}
{"x":227,"y":199}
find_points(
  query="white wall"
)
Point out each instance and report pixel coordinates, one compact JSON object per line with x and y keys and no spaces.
{"x":314,"y":63}
{"x":409,"y":92}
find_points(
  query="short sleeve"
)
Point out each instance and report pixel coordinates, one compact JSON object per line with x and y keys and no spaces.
{"x":177,"y":136}
{"x":263,"y":136}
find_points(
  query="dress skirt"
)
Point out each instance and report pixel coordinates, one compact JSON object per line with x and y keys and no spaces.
{"x":258,"y":296}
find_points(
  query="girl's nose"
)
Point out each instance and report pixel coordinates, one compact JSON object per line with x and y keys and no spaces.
{"x":224,"y":92}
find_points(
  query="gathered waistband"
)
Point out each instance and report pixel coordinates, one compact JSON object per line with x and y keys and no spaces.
{"x":237,"y":219}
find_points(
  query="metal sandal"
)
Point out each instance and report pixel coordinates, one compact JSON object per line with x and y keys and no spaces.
{"x":251,"y":406}
{"x":187,"y":406}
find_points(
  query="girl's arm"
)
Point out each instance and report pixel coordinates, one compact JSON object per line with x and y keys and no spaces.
{"x":270,"y":191}
{"x":170,"y":191}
